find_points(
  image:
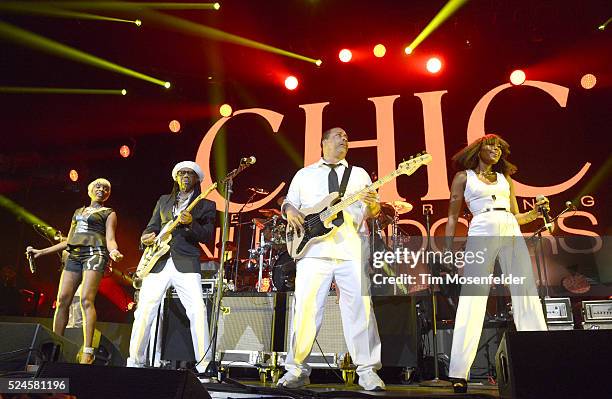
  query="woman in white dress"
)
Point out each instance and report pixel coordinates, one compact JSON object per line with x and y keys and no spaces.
{"x":484,"y":184}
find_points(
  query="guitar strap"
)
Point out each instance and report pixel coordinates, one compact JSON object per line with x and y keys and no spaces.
{"x":345,"y":179}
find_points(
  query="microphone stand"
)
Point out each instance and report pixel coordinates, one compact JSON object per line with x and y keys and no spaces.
{"x":212,"y":371}
{"x":238,"y":236}
{"x":436,"y":382}
{"x":539,"y":255}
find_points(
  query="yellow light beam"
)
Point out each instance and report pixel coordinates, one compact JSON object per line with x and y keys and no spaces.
{"x":120,"y":5}
{"x":449,"y":9}
{"x":38,"y":42}
{"x":58,"y":90}
{"x":216,"y":34}
{"x":23,"y":214}
{"x":43,"y":9}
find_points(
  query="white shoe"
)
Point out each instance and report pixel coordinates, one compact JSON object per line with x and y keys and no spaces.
{"x":290,"y":380}
{"x":370,"y":381}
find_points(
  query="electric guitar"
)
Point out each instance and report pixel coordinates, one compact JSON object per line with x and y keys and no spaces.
{"x":318,"y":219}
{"x":161,"y":245}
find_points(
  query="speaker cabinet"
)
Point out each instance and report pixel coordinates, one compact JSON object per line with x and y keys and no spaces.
{"x":91,"y":381}
{"x":555,"y":364}
{"x":246,"y":324}
{"x":31,"y":344}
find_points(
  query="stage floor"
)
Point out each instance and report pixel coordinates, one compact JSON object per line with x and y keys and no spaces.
{"x":223,"y":391}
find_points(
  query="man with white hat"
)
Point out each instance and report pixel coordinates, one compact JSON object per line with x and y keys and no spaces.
{"x":180,"y":267}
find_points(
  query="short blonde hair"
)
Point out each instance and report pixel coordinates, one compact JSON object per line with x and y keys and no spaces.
{"x":99,"y":180}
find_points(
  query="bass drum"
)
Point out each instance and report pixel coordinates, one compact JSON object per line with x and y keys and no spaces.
{"x":283,"y":272}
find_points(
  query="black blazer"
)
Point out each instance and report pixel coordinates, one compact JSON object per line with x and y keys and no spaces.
{"x":184,"y":246}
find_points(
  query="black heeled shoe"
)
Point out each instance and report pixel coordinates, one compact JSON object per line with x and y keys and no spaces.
{"x":460,"y":385}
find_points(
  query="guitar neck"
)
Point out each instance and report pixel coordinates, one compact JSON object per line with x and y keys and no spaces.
{"x":200,"y":197}
{"x":351,"y":199}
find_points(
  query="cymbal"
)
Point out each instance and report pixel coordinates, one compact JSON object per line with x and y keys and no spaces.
{"x":229,"y":246}
{"x":270,"y":212}
{"x":260,"y":222}
{"x":399,"y":207}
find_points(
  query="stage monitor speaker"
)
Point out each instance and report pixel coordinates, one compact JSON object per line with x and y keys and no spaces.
{"x":27,"y":344}
{"x":91,"y":381}
{"x":555,"y":364}
{"x":106,"y":352}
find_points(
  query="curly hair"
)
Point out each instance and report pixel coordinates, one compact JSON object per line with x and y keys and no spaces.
{"x":468,"y":157}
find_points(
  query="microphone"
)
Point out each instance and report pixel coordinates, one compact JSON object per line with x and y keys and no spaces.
{"x":258,"y":190}
{"x":569,"y":205}
{"x":31,"y":260}
{"x":248,"y":161}
{"x":544,"y":212}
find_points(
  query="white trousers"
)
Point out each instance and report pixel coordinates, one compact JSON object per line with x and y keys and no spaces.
{"x":313,"y":280}
{"x":514,"y":259}
{"x":189,"y":289}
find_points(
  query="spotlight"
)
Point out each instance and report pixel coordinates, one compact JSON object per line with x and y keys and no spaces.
{"x":408,"y":50}
{"x":124,"y":151}
{"x":225,"y":110}
{"x":434,"y":65}
{"x":216,"y":6}
{"x":123,"y":92}
{"x":291,"y":82}
{"x":345,"y":55}
{"x":517,"y":77}
{"x":380,"y":50}
{"x":318,"y":63}
{"x":138,"y":22}
{"x":588,"y":81}
{"x":175,"y":126}
{"x":167,"y":85}
{"x":73,"y":175}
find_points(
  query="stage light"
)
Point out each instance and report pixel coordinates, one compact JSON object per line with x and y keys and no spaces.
{"x":588,"y":81}
{"x":318,"y":63}
{"x":73,"y":175}
{"x":216,"y":6}
{"x":167,"y":85}
{"x":291,"y":82}
{"x":434,"y":65}
{"x":517,"y":77}
{"x":380,"y":50}
{"x":123,"y":92}
{"x":138,"y":22}
{"x":175,"y":126}
{"x":225,"y":110}
{"x":124,"y":150}
{"x":345,"y":55}
{"x":408,"y":50}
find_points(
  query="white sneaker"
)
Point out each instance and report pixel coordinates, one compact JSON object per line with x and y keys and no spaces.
{"x":370,"y":381}
{"x":290,"y":380}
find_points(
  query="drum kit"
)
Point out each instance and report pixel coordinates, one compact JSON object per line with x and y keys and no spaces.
{"x":269,"y":267}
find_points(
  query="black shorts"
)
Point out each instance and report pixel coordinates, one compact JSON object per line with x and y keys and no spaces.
{"x":87,"y":258}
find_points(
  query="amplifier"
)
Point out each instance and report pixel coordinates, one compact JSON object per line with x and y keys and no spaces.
{"x":559,"y":314}
{"x":208,"y":286}
{"x":330,"y":337}
{"x":247,"y":322}
{"x":597,"y":311}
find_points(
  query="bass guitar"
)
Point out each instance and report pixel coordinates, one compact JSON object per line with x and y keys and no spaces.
{"x":318,"y":219}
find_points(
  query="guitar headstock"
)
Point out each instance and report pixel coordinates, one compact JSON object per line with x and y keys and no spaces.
{"x":411,"y":165}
